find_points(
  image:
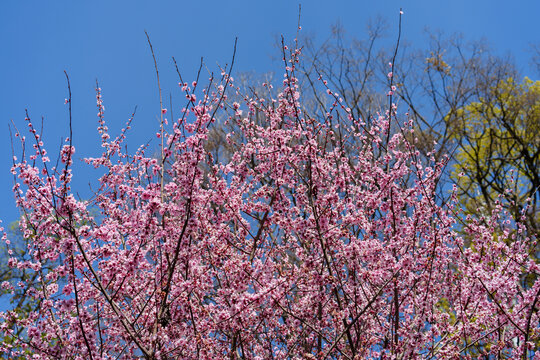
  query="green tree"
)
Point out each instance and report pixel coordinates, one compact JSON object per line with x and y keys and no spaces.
{"x":498,"y":153}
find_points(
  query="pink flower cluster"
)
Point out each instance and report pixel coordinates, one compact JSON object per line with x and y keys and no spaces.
{"x":310,"y":240}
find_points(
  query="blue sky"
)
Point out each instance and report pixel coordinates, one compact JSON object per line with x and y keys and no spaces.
{"x":105,"y":40}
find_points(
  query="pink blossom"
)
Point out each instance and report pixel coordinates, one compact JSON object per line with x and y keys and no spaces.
{"x":269,"y":240}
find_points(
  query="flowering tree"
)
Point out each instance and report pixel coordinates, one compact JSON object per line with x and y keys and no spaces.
{"x":313,"y":240}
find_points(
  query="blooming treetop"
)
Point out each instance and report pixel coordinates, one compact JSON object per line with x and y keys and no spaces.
{"x":310,"y":240}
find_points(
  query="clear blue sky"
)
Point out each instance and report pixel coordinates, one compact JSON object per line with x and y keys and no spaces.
{"x":105,"y":40}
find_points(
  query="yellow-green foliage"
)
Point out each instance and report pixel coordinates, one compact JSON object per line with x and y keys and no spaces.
{"x":498,"y":141}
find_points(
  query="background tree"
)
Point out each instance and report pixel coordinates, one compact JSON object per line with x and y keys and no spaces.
{"x":499,"y":151}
